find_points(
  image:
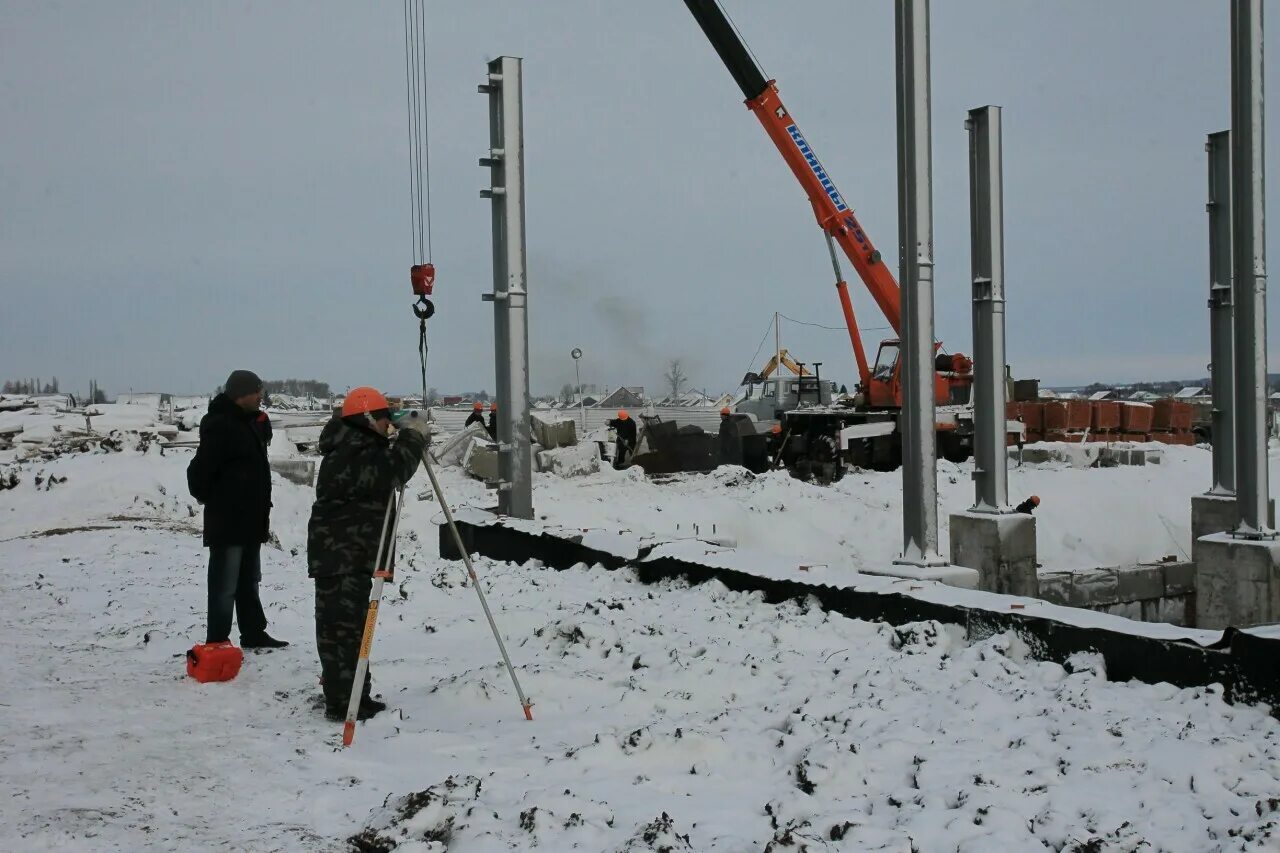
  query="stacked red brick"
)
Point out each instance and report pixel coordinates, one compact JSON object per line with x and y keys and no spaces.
{"x":1135,"y":421}
{"x":1171,"y":422}
{"x":1032,"y":416}
{"x":1104,"y":424}
{"x":1067,"y":420}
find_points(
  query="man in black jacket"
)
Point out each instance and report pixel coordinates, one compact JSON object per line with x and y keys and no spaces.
{"x":625,"y":430}
{"x":231,"y":477}
{"x":361,"y":469}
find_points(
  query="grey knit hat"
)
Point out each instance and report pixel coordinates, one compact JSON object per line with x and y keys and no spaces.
{"x":242,"y":383}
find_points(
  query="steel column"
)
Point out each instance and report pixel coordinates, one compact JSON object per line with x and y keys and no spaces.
{"x":915,"y":246}
{"x":1249,"y":264}
{"x":1221,"y":334}
{"x":986,"y":228}
{"x":509,"y":297}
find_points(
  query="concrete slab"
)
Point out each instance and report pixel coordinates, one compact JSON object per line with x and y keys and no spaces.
{"x":1001,"y":548}
{"x":1237,"y":582}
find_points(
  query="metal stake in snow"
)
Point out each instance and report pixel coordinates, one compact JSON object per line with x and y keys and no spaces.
{"x":525,"y":704}
{"x":386,"y":547}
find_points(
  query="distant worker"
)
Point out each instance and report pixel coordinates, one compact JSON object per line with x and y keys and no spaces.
{"x":730,"y":439}
{"x":361,"y":469}
{"x":230,"y":475}
{"x":477,"y":414}
{"x":625,"y":429}
{"x":493,"y":421}
{"x":1029,"y":505}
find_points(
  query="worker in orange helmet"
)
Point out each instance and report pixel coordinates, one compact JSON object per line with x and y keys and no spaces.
{"x":624,"y":429}
{"x":360,"y":470}
{"x":477,"y":414}
{"x":731,"y":447}
{"x":1029,"y":505}
{"x":493,"y":421}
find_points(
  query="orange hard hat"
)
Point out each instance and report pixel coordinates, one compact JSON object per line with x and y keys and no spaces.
{"x":477,"y":405}
{"x":777,"y":429}
{"x":493,"y":407}
{"x":725,"y":411}
{"x":1035,"y":500}
{"x":363,"y":399}
{"x":622,"y":414}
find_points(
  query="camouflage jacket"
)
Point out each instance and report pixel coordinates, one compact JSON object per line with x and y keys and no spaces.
{"x":359,"y":471}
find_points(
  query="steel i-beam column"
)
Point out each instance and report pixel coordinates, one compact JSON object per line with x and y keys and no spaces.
{"x":915,"y":236}
{"x":986,"y":218}
{"x":510,"y":297}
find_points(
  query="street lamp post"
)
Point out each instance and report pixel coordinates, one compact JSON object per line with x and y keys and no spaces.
{"x":576,"y":352}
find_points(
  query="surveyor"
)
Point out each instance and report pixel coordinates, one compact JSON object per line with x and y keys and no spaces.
{"x":477,"y":414}
{"x":1029,"y":505}
{"x":493,"y":421}
{"x":625,"y":430}
{"x":230,"y":475}
{"x":730,"y":439}
{"x":361,"y":469}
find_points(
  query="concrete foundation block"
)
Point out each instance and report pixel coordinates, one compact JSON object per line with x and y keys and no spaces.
{"x":1213,"y":514}
{"x":1140,"y":583}
{"x":1055,"y":587}
{"x":300,"y":471}
{"x":481,"y":460}
{"x":1094,"y":587}
{"x":1237,"y":582}
{"x":1002,"y":548}
{"x":1179,"y":578}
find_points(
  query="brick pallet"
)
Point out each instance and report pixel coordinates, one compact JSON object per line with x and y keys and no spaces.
{"x":1067,"y":415}
{"x":1106,"y":415}
{"x":1171,"y":415}
{"x":1136,"y":417}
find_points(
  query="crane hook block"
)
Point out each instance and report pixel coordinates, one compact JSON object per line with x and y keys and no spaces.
{"x":423,"y":278}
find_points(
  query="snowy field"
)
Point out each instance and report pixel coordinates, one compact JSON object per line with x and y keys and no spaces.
{"x":666,"y":718}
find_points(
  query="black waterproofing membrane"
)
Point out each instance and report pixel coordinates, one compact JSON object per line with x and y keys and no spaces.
{"x":1245,"y":665}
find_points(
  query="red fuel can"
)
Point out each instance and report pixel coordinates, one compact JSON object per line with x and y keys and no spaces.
{"x":214,"y":661}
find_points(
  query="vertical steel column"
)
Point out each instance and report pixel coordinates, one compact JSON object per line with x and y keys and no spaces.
{"x":1221,"y":335}
{"x":509,"y":297}
{"x":986,"y":228}
{"x":915,"y":239}
{"x":1249,"y":264}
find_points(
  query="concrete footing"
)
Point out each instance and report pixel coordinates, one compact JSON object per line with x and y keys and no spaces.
{"x":1002,"y":548}
{"x":1237,"y":581}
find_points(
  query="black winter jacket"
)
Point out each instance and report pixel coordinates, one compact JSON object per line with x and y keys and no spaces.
{"x":359,"y":471}
{"x":230,"y":475}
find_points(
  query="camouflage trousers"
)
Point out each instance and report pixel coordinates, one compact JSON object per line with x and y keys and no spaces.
{"x":342,"y":601}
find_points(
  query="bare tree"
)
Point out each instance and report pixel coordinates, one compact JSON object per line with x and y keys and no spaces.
{"x":675,"y":377}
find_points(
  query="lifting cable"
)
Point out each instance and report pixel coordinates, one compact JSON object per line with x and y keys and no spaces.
{"x":423,"y":272}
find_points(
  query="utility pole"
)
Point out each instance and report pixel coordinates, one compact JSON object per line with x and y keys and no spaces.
{"x":915,"y":236}
{"x":510,"y":296}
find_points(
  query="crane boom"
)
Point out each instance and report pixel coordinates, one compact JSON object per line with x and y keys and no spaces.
{"x":834,"y":215}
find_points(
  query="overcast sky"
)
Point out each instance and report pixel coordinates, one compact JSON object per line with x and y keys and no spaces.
{"x":191,"y":187}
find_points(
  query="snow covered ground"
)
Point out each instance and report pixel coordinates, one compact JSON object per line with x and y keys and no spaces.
{"x":665,"y":717}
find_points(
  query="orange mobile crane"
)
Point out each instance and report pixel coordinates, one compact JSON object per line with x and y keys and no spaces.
{"x":819,"y":443}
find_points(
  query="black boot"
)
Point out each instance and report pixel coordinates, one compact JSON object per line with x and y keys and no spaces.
{"x":261,"y":641}
{"x":368,"y":708}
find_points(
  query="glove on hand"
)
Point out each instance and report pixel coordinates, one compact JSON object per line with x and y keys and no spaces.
{"x":416,"y":421}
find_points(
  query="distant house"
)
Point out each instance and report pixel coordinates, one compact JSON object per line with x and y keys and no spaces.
{"x":622,"y":398}
{"x":1102,"y":395}
{"x":1144,"y":397}
{"x":451,"y":400}
{"x":1191,"y":393}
